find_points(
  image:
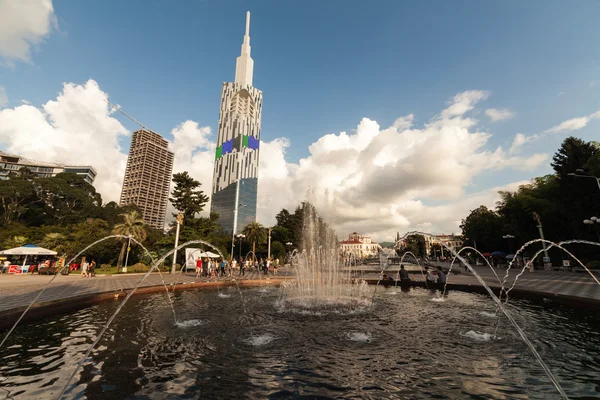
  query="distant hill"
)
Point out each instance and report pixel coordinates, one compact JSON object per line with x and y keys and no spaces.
{"x":387,"y":245}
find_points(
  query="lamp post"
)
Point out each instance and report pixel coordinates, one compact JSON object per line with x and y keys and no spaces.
{"x":579,"y":173}
{"x":233,"y":236}
{"x":593,"y":221}
{"x":179,"y":221}
{"x":539,"y":226}
{"x":289,"y":246}
{"x":240,"y":236}
{"x":269,"y":245}
{"x":127,"y":256}
{"x":509,"y":238}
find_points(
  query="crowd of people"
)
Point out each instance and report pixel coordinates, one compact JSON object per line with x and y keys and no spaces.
{"x":212,"y":268}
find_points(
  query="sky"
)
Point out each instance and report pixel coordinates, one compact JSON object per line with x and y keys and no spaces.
{"x":390,"y":115}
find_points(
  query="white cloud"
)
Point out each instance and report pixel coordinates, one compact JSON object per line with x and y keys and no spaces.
{"x":501,"y":114}
{"x":3,"y":97}
{"x":76,"y":128}
{"x":574,"y":124}
{"x":23,"y":24}
{"x":378,"y":180}
{"x":464,"y":102}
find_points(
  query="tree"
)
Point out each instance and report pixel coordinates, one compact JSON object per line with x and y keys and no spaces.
{"x":66,"y":197}
{"x":573,"y":154}
{"x":483,"y":227}
{"x":15,"y":196}
{"x":186,"y":198}
{"x":54,"y":241}
{"x":255,"y":232}
{"x":132,"y":225}
{"x":16,"y":241}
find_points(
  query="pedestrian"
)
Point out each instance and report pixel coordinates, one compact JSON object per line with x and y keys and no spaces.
{"x":198,"y":266}
{"x":84,"y":269}
{"x":93,"y":268}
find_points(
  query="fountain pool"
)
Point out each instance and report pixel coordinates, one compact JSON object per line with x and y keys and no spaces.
{"x":404,"y":346}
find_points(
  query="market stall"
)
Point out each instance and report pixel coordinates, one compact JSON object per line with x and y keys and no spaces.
{"x":28,"y":252}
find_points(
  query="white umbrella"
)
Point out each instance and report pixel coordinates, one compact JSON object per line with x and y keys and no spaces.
{"x":28,"y":250}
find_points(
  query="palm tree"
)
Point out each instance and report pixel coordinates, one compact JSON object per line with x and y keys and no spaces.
{"x":255,"y":232}
{"x":133,"y":225}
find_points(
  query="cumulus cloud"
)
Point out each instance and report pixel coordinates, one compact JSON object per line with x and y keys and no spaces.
{"x":379,"y":180}
{"x":499,"y":114}
{"x":75,"y":128}
{"x":374,"y":180}
{"x":23,"y":24}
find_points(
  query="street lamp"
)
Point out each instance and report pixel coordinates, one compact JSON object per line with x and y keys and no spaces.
{"x":593,"y":221}
{"x":269,"y":246}
{"x":579,"y":173}
{"x":179,"y":221}
{"x":508,"y":237}
{"x":235,"y":217}
{"x":240,"y":236}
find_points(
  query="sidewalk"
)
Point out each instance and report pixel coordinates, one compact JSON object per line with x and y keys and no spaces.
{"x":18,"y":291}
{"x":550,"y":283}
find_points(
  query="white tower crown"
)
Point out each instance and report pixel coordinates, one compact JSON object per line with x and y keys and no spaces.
{"x":244,"y":65}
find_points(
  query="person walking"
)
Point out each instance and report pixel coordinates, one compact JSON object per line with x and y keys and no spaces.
{"x":198,"y":266}
{"x":84,"y":269}
{"x":93,"y":268}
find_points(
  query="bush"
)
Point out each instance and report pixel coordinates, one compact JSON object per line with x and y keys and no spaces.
{"x":139,"y":267}
{"x":593,"y":265}
{"x":105,"y":267}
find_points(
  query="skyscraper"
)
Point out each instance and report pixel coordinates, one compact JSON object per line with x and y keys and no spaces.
{"x":235,"y":178}
{"x":147,"y":176}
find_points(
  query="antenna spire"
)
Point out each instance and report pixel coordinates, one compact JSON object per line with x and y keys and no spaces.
{"x":244,"y":65}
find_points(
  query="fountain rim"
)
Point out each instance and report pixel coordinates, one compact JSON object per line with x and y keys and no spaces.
{"x":65,"y":305}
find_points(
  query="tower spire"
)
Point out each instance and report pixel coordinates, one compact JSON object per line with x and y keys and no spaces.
{"x":244,"y":65}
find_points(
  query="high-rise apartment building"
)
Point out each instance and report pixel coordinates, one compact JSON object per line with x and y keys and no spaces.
{"x":235,"y":179}
{"x":148,"y":176}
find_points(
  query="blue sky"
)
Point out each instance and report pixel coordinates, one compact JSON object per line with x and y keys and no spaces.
{"x":323,"y":66}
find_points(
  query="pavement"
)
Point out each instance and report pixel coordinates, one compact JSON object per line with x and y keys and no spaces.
{"x":18,"y":291}
{"x":551,"y":283}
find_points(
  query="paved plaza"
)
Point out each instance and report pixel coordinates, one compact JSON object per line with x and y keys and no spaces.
{"x":18,"y":291}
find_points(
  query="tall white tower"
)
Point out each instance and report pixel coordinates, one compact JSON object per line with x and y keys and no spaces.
{"x":235,"y":179}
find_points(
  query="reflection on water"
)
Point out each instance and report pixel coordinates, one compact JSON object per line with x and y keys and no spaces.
{"x":406,"y":347}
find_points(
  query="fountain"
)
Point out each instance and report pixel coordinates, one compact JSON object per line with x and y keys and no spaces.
{"x":321,"y":281}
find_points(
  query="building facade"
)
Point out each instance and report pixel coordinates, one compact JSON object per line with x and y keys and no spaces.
{"x":10,"y":163}
{"x":358,"y":245}
{"x":148,"y":176}
{"x":235,"y":178}
{"x":453,"y":241}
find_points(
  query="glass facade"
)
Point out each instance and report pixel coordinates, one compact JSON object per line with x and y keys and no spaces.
{"x":223,"y":202}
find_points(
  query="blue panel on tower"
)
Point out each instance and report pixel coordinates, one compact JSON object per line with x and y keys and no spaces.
{"x":253,"y":143}
{"x":227,"y":147}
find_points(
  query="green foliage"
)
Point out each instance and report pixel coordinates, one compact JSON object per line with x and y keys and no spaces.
{"x":16,"y":241}
{"x":483,"y":227}
{"x":561,"y":201}
{"x":186,"y":198}
{"x":133,"y":225}
{"x":278,"y":250}
{"x":415,"y":244}
{"x":255,"y":233}
{"x":105,"y":268}
{"x":139,"y":268}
